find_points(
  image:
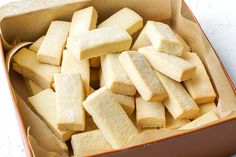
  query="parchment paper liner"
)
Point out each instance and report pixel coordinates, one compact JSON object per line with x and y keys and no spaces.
{"x":28,"y":20}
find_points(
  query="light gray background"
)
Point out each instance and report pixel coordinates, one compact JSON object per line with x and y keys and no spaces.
{"x":218,"y":19}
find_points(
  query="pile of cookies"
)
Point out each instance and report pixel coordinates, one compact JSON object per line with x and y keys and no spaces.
{"x":97,"y":86}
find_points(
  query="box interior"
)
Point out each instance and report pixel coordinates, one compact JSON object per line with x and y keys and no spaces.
{"x":28,"y":26}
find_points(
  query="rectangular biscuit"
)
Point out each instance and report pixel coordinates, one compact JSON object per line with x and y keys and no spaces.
{"x":142,"y":40}
{"x":89,"y":143}
{"x":32,"y":87}
{"x":69,"y":98}
{"x":199,"y":87}
{"x":127,"y":102}
{"x":170,"y":65}
{"x":83,"y":21}
{"x":115,"y":77}
{"x":149,"y":114}
{"x":179,"y":103}
{"x":172,"y":123}
{"x":125,"y":18}
{"x":203,"y":120}
{"x":143,"y":76}
{"x":110,"y":118}
{"x":101,"y":42}
{"x":44,"y":103}
{"x":36,"y":45}
{"x":185,"y":45}
{"x":204,"y":108}
{"x":51,"y":49}
{"x":71,"y":65}
{"x":25,"y":62}
{"x":163,"y":38}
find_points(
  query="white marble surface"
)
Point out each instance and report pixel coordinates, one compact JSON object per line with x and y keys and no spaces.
{"x":218,"y":19}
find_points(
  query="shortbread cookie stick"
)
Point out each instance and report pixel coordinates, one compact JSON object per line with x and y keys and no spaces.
{"x":32,"y":87}
{"x":110,"y":118}
{"x":203,"y":120}
{"x":101,"y":42}
{"x":89,"y":143}
{"x":25,"y":62}
{"x":51,"y":49}
{"x":115,"y":77}
{"x":127,"y":103}
{"x":172,"y":123}
{"x":204,"y":108}
{"x":179,"y":103}
{"x":44,"y":103}
{"x":199,"y":87}
{"x":83,"y":21}
{"x":36,"y":45}
{"x":126,"y":19}
{"x":71,"y":65}
{"x":149,"y":114}
{"x":143,"y":76}
{"x":142,"y":40}
{"x":170,"y":65}
{"x":69,"y":98}
{"x":185,"y":45}
{"x":163,"y":38}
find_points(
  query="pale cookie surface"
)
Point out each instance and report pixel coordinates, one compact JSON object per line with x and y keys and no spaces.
{"x":126,"y":19}
{"x":199,"y":87}
{"x":185,"y":45}
{"x":82,"y":21}
{"x":44,"y":103}
{"x":36,"y":45}
{"x":172,"y":123}
{"x":179,"y":103}
{"x":71,"y":65}
{"x":163,"y":38}
{"x":89,"y":143}
{"x":51,"y":49}
{"x":172,"y":66}
{"x":110,"y":118}
{"x":32,"y":87}
{"x":115,"y":76}
{"x":205,"y":108}
{"x":69,"y":98}
{"x":204,"y":119}
{"x":127,"y":102}
{"x":142,"y":40}
{"x":99,"y":42}
{"x":143,"y":76}
{"x":149,"y":114}
{"x":25,"y":62}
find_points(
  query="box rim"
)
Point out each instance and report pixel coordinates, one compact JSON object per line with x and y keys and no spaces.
{"x":23,"y":131}
{"x":14,"y":101}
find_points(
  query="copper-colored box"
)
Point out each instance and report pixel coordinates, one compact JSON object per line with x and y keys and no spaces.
{"x":26,"y":21}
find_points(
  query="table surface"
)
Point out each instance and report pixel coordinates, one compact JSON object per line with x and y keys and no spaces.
{"x":218,"y":20}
